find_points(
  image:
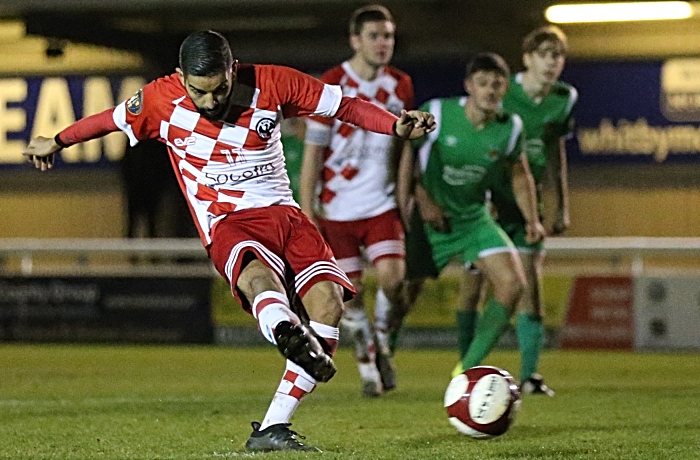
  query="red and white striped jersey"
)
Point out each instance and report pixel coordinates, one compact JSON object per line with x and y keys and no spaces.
{"x":357,"y":180}
{"x":224,"y":167}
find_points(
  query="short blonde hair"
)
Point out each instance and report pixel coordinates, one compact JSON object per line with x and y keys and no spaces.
{"x":550,"y":33}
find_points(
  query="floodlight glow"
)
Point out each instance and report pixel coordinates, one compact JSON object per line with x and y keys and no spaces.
{"x":611,"y":12}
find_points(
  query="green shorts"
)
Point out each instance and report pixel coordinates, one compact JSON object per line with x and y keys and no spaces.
{"x":517,"y":233}
{"x":419,"y":255}
{"x":468,"y":241}
{"x":512,"y":222}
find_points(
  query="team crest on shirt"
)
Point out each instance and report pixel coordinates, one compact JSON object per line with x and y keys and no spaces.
{"x":135,"y":103}
{"x":493,"y":154}
{"x":265,"y":128}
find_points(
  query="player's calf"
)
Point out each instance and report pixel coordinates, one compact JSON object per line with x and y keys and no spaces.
{"x":385,"y":363}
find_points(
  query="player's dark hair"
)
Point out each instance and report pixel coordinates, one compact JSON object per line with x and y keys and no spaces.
{"x":488,"y":62}
{"x":205,"y":53}
{"x":554,"y":34}
{"x":370,"y":13}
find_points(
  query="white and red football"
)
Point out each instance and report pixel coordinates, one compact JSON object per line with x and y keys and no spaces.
{"x":482,"y":402}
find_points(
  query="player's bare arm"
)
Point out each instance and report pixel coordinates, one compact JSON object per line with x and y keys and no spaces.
{"x":526,"y":197}
{"x":405,"y":185}
{"x":562,"y":220}
{"x":41,"y":150}
{"x":310,"y":168}
{"x":430,"y":211}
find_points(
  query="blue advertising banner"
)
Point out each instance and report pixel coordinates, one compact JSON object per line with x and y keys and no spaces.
{"x":636,"y":112}
{"x":37,"y":106}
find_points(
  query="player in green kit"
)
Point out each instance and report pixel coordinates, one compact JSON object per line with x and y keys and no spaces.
{"x":545,"y":106}
{"x":473,"y":144}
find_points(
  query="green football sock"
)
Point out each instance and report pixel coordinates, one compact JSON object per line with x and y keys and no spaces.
{"x":530,"y":338}
{"x":489,"y":328}
{"x":393,"y":340}
{"x":466,"y":322}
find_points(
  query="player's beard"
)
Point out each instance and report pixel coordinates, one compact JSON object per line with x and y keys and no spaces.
{"x":213,"y":114}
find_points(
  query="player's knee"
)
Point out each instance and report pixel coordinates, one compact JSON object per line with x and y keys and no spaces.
{"x":324,"y":302}
{"x":509,"y":289}
{"x":256,"y":278}
{"x":393,"y":288}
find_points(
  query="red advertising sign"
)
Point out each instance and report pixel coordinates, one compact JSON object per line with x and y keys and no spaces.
{"x":600,"y":314}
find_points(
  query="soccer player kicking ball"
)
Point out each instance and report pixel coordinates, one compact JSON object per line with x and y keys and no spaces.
{"x":473,"y":143}
{"x":220,"y":120}
{"x":356,"y":206}
{"x":544,"y":104}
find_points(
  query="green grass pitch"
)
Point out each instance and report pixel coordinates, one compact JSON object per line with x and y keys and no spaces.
{"x":124,"y":402}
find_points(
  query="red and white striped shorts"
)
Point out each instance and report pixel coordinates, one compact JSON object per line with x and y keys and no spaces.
{"x":282,"y":238}
{"x":382,"y":237}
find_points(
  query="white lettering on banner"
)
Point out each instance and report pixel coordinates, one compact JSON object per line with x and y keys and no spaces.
{"x":638,"y":138}
{"x":55,"y":292}
{"x":610,"y":294}
{"x":12,"y":119}
{"x":115,"y":143}
{"x":602,"y":334}
{"x":54,"y":112}
{"x":609,"y":312}
{"x":98,"y":98}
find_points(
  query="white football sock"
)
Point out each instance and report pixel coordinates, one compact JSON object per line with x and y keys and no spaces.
{"x":381,"y":311}
{"x":270,"y":308}
{"x":295,"y":384}
{"x":357,"y":325}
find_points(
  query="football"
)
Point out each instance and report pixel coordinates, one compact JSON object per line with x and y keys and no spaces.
{"x":482,"y":402}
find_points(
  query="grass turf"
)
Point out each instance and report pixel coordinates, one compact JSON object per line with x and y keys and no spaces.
{"x":123,"y":402}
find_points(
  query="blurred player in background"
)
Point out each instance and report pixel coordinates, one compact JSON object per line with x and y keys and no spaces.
{"x":348,"y":189}
{"x":474,"y":141}
{"x":544,"y":104}
{"x":220,"y":120}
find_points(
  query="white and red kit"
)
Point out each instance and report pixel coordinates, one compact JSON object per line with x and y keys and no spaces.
{"x":357,"y":183}
{"x":235,"y":167}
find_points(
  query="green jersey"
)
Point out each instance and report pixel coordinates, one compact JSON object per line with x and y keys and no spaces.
{"x":293,"y":148}
{"x":458,"y":161}
{"x":545,"y":123}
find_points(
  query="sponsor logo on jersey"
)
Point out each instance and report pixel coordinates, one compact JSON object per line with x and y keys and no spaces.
{"x":134,"y":104}
{"x":191,"y":140}
{"x":256,"y":172}
{"x":534,"y":147}
{"x":265,"y":128}
{"x":463,"y":175}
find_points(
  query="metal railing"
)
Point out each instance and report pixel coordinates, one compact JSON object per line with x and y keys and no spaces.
{"x":636,"y":249}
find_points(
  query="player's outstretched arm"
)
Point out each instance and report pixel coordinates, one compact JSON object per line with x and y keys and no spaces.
{"x":411,"y":125}
{"x":41,"y":150}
